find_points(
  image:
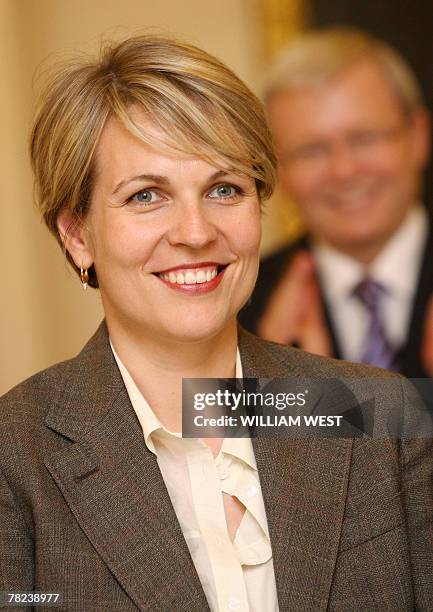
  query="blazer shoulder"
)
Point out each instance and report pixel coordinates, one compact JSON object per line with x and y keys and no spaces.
{"x":41,"y":390}
{"x":316,"y":366}
{"x":35,"y":394}
{"x":340,"y":368}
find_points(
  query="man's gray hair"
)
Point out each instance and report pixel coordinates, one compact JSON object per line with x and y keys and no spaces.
{"x":318,"y":56}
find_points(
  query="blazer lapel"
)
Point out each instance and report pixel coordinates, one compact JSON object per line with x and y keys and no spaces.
{"x":113,"y":486}
{"x":304,"y":484}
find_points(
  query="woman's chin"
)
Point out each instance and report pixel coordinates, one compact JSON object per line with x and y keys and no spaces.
{"x":199,"y":330}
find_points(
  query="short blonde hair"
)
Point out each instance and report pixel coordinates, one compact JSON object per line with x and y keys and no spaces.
{"x":203,"y":108}
{"x":317,"y":56}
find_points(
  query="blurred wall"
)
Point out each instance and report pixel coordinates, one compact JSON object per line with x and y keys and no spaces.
{"x":45,"y":315}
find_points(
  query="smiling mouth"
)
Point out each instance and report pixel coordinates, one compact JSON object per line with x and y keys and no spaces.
{"x":185,"y":276}
{"x":354,"y":199}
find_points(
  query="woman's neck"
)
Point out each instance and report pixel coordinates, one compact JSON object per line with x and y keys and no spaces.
{"x":158,"y":366}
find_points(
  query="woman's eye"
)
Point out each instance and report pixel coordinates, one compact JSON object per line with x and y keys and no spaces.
{"x":224,"y":192}
{"x":145,"y":197}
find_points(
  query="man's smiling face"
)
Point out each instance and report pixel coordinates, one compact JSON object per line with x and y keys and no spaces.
{"x":349,"y":157}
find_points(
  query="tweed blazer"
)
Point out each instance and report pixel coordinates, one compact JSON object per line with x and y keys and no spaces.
{"x":84,"y":510}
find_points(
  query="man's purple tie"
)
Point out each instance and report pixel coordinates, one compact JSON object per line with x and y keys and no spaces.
{"x":376,"y":349}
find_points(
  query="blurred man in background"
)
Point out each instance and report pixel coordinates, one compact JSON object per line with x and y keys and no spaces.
{"x":352,"y":136}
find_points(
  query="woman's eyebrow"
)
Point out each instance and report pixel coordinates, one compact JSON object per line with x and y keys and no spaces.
{"x":160,"y":180}
{"x":155,"y":178}
{"x":219,"y":174}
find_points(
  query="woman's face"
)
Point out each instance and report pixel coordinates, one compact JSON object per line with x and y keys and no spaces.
{"x":174,"y":240}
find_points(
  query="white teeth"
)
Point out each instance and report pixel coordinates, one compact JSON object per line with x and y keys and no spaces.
{"x":353,"y":197}
{"x":190,"y":277}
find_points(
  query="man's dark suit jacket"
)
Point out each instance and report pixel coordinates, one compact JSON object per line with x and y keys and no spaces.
{"x":84,"y":510}
{"x":273,"y":267}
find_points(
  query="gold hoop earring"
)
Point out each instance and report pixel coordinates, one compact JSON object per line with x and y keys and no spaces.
{"x":84,"y":275}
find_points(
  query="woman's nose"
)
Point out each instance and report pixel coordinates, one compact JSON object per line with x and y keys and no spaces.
{"x":191,"y":226}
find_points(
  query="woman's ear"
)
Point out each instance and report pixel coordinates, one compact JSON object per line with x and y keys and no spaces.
{"x":75,"y":237}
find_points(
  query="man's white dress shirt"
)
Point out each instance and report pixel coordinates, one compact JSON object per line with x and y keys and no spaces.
{"x":397,"y":268}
